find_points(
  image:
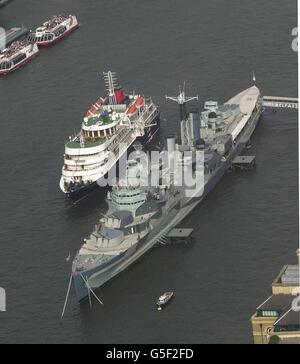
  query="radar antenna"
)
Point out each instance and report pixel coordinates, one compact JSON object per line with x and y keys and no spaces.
{"x":182,"y":100}
{"x":111,"y":83}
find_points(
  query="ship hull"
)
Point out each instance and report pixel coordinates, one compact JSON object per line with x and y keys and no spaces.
{"x":81,"y":192}
{"x":80,"y":279}
{"x":150,"y":133}
{"x":99,"y":275}
{"x":97,"y":278}
{"x":21,"y":64}
{"x":48,"y":43}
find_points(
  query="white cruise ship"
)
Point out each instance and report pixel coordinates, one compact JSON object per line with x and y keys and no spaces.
{"x":109,"y":129}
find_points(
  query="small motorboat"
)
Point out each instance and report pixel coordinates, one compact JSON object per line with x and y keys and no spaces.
{"x":164,"y":299}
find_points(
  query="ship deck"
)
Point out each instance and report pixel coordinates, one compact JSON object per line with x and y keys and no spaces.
{"x":87,"y":143}
{"x":100,"y":120}
{"x":91,"y":248}
{"x":12,"y":35}
{"x":246,"y":100}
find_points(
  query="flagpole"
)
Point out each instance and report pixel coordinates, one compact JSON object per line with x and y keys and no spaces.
{"x":67,"y":296}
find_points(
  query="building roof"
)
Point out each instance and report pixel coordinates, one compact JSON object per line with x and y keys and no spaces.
{"x":289,"y":318}
{"x":277,"y":302}
{"x":289,"y":275}
{"x":289,"y":340}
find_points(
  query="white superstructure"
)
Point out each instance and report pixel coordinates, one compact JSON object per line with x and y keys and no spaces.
{"x":54,"y":29}
{"x":109,"y":128}
{"x":16,"y":55}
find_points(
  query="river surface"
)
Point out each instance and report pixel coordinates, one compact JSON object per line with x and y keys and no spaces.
{"x":244,"y":231}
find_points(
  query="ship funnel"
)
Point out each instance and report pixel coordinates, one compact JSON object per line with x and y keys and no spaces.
{"x":182,"y":100}
{"x":194,"y":125}
{"x":171,"y":150}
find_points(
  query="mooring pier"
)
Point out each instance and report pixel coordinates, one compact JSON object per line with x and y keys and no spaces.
{"x":280,"y":102}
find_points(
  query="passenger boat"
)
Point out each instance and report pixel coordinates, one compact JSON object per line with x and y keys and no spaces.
{"x":16,"y":55}
{"x":54,"y":30}
{"x":109,"y":129}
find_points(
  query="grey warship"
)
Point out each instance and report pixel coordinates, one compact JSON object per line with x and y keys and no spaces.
{"x":139,"y":216}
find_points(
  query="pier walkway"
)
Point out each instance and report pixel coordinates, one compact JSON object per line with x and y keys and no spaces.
{"x":279,"y":102}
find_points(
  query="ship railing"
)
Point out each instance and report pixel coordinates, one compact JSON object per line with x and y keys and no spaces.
{"x":279,"y":102}
{"x":77,"y":160}
{"x":118,"y":107}
{"x":83,"y":168}
{"x":123,"y":136}
{"x":127,"y":140}
{"x":147,"y":115}
{"x":148,"y":100}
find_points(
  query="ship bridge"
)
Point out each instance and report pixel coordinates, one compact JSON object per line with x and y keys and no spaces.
{"x":280,"y":102}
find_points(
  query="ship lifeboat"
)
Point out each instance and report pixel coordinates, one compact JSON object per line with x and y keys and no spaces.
{"x":95,"y":107}
{"x":91,"y":111}
{"x":132,"y":109}
{"x":99,"y":102}
{"x":135,"y":105}
{"x":139,"y":101}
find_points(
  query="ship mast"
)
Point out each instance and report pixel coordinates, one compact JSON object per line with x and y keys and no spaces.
{"x":110,"y":80}
{"x":182,"y":100}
